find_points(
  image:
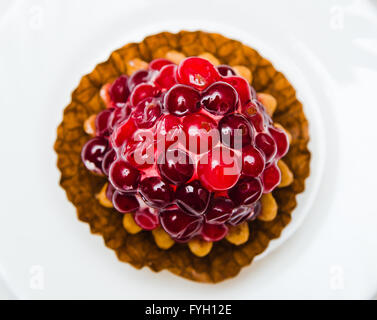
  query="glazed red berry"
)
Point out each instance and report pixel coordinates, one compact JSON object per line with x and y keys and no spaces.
{"x":119,"y":90}
{"x":271,"y":178}
{"x":102,"y":122}
{"x":265,"y":143}
{"x":281,"y":140}
{"x":92,"y":154}
{"x":219,"y":170}
{"x":110,"y":190}
{"x":252,"y":161}
{"x":220,"y":210}
{"x":220,"y":98}
{"x":123,"y":176}
{"x":143,"y":91}
{"x":166,"y":78}
{"x":169,"y":130}
{"x":214,"y":232}
{"x":176,"y":166}
{"x":200,"y":132}
{"x":155,"y":192}
{"x":182,"y":100}
{"x":124,"y":202}
{"x":140,"y":152}
{"x":108,"y":160}
{"x":193,"y":197}
{"x":236,"y":132}
{"x":225,"y":70}
{"x":158,"y":64}
{"x":123,"y":132}
{"x":146,"y":219}
{"x":241,"y":214}
{"x":197,"y":72}
{"x":247,"y":191}
{"x":180,"y":225}
{"x":118,"y":116}
{"x":146,"y":113}
{"x":241,"y":86}
{"x":140,"y":76}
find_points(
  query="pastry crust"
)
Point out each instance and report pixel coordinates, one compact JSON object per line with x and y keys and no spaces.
{"x":225,"y":260}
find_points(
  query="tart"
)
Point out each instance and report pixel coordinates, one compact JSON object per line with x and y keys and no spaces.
{"x":185,"y":152}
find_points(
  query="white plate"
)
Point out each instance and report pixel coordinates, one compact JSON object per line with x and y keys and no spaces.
{"x":328,"y":51}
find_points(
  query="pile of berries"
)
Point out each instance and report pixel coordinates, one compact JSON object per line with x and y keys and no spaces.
{"x":187,"y":147}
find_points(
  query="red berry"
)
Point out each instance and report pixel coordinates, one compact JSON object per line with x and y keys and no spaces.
{"x":123,"y":133}
{"x":176,"y":166}
{"x":236,"y":132}
{"x":92,"y":154}
{"x":138,"y":77}
{"x":241,"y":214}
{"x":169,"y":130}
{"x":220,"y":210}
{"x":241,"y":86}
{"x":119,"y":90}
{"x":166,"y":78}
{"x":158,"y":64}
{"x":226,"y":71}
{"x":118,"y":116}
{"x":200,"y":132}
{"x":107,"y":161}
{"x":252,"y":161}
{"x":146,"y":219}
{"x":125,"y":202}
{"x":271,"y":178}
{"x":155,"y":192}
{"x":123,"y":176}
{"x":219,"y":169}
{"x":197,"y":72}
{"x":179,"y":225}
{"x":247,"y":191}
{"x":143,"y":91}
{"x":182,"y":100}
{"x":146,"y":113}
{"x":140,"y":150}
{"x":220,"y":98}
{"x":103,"y":123}
{"x":214,"y":232}
{"x":281,"y":140}
{"x":193,"y":198}
{"x":110,"y":190}
{"x":265,"y":143}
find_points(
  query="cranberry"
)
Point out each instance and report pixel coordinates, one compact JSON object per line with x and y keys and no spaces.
{"x":125,"y":202}
{"x":140,"y":153}
{"x":220,"y":98}
{"x":137,"y":78}
{"x":253,"y":113}
{"x":118,"y":116}
{"x":182,"y":100}
{"x":214,"y":232}
{"x":226,"y":71}
{"x":123,"y":133}
{"x":236,"y":132}
{"x":108,"y":159}
{"x":197,"y":72}
{"x":219,"y":169}
{"x":166,"y":78}
{"x":247,"y":191}
{"x":271,"y":178}
{"x":110,"y":190}
{"x":178,"y":224}
{"x":143,"y":91}
{"x":146,"y":219}
{"x":158,"y":64}
{"x":241,"y":86}
{"x":240,"y":215}
{"x":267,"y":145}
{"x":252,"y":161}
{"x":169,"y":130}
{"x":146,"y":113}
{"x":220,"y":210}
{"x":176,"y":166}
{"x":123,"y":176}
{"x":193,"y":197}
{"x":92,"y":154}
{"x":281,"y":140}
{"x":102,"y":122}
{"x":155,"y":192}
{"x":201,"y":133}
{"x":119,"y":90}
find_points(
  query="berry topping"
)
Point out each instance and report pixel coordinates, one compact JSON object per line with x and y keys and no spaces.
{"x":226,"y":71}
{"x":146,"y":219}
{"x":108,"y":160}
{"x":146,"y":113}
{"x":220,"y":98}
{"x":267,"y":145}
{"x":176,"y":166}
{"x":123,"y":176}
{"x":197,"y":72}
{"x":158,"y":64}
{"x":271,"y":178}
{"x":102,"y":122}
{"x":193,"y":197}
{"x":220,"y":210}
{"x":241,"y":214}
{"x":281,"y":140}
{"x":119,"y":90}
{"x":236,"y":132}
{"x":141,"y":76}
{"x":124,"y":202}
{"x":166,"y":78}
{"x":214,"y":232}
{"x":219,"y":169}
{"x":247,"y":191}
{"x":252,"y":161}
{"x":241,"y":86}
{"x":141,"y":92}
{"x":182,"y":100}
{"x":92,"y":154}
{"x":155,"y":192}
{"x":178,"y":224}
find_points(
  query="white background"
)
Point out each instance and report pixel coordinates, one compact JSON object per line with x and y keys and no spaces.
{"x":327,"y":49}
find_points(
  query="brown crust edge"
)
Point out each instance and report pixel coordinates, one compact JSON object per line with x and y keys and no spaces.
{"x":225,"y":260}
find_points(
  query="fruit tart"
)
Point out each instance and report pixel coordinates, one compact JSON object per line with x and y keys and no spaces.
{"x":185,"y":152}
